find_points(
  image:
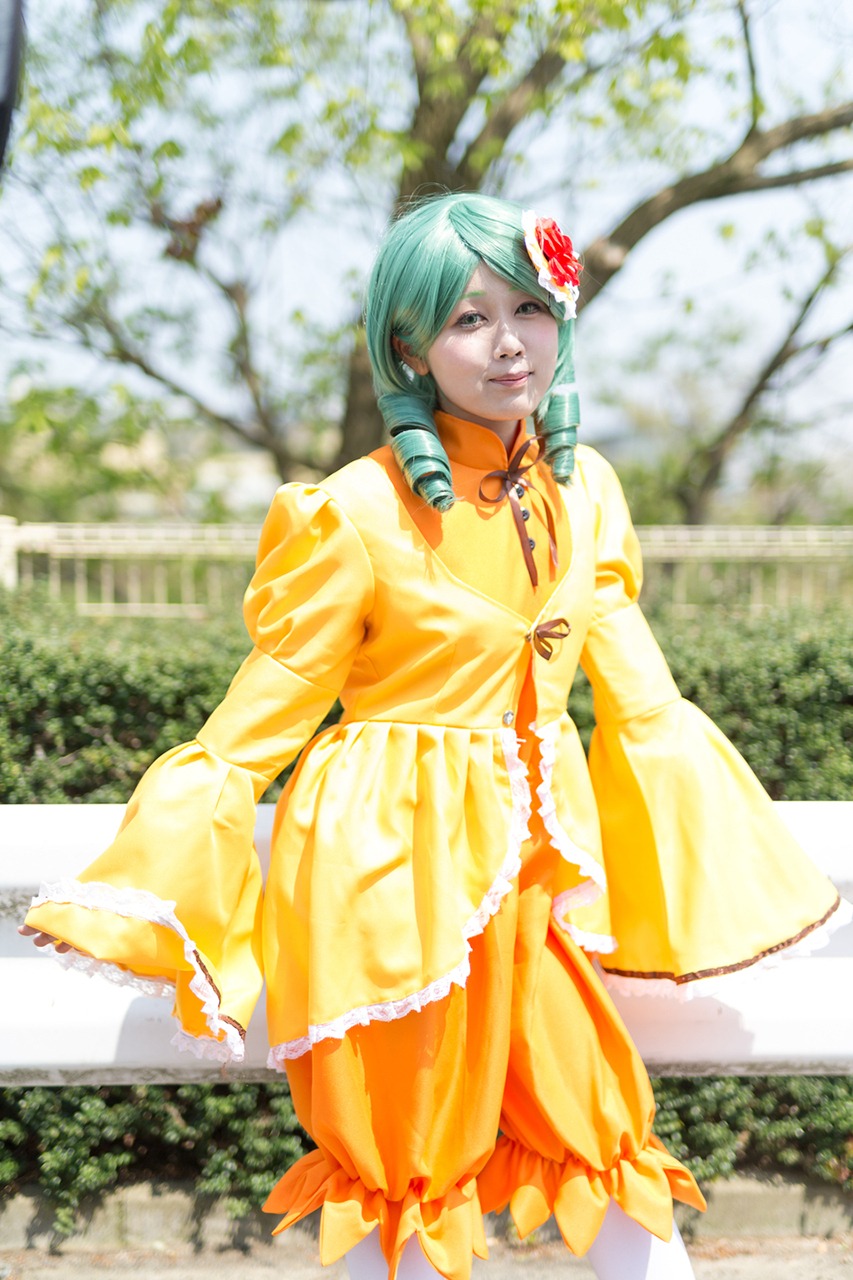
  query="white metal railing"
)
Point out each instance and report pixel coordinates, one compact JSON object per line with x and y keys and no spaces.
{"x":194,"y":570}
{"x":184,"y":570}
{"x":752,"y":567}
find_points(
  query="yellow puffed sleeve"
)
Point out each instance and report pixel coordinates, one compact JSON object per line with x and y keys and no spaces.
{"x":176,"y":899}
{"x":703,"y":876}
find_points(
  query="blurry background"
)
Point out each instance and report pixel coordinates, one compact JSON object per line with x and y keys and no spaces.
{"x":195,"y":191}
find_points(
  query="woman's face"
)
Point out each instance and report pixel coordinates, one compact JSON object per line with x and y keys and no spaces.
{"x":495,"y":358}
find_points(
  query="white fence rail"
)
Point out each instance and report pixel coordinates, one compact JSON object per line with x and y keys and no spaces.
{"x":196,"y":570}
{"x":63,"y":1027}
{"x":753,"y":567}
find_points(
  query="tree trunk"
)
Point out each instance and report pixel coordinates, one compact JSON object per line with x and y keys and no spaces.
{"x":362,"y":428}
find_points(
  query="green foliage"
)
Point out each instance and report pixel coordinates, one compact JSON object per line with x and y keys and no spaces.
{"x":780,"y":687}
{"x":232,"y":1140}
{"x":67,"y":454}
{"x":794,"y":1123}
{"x":236,"y":1140}
{"x":195,"y":126}
{"x":208,"y":131}
{"x":86,"y":707}
{"x":89,"y":703}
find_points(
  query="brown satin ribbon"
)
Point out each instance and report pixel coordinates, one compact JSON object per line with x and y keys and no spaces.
{"x":554,"y":629}
{"x":515,"y":475}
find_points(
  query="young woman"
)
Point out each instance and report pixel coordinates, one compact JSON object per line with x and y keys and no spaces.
{"x":444,"y":858}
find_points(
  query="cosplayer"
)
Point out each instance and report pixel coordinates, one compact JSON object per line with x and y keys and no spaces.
{"x":445,"y":861}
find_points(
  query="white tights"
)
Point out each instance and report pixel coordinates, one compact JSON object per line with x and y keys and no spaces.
{"x":622,"y":1250}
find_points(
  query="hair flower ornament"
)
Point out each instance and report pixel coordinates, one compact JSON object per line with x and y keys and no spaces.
{"x":553,"y":255}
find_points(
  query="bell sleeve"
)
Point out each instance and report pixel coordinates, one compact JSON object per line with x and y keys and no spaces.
{"x":175,"y":902}
{"x":703,"y":877}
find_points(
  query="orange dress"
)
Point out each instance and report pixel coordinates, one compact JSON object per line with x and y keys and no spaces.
{"x":443,"y":857}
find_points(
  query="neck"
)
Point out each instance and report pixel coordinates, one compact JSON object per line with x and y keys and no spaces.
{"x":507,"y":432}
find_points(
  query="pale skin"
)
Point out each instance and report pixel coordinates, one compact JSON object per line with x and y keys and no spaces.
{"x":495,"y":358}
{"x":492,"y":363}
{"x":42,"y":939}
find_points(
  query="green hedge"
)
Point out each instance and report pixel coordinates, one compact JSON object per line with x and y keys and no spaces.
{"x":88,"y":704}
{"x":232,"y":1140}
{"x":236,"y":1140}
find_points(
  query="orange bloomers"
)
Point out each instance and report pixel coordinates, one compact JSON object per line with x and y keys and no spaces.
{"x":405,"y":1113}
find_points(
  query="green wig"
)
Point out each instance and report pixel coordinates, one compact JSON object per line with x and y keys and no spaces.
{"x":424,"y":264}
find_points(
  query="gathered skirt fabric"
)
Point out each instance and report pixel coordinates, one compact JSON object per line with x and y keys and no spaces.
{"x":406,"y":1114}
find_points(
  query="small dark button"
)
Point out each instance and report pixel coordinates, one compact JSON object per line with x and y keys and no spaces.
{"x":531,"y":543}
{"x":525,"y":514}
{"x":519,"y":489}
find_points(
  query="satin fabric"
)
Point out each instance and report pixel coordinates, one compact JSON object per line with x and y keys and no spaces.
{"x":445,"y":849}
{"x":423,"y":626}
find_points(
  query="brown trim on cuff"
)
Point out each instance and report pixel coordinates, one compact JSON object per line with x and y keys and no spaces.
{"x":726,"y":968}
{"x":232,"y":1022}
{"x":223,"y":1017}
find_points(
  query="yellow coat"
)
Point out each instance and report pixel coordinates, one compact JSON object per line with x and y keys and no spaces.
{"x":400,"y":830}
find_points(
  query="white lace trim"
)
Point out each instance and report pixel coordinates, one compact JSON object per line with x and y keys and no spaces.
{"x":139,"y":904}
{"x":91,"y":967}
{"x":559,"y":837}
{"x":599,"y":943}
{"x":580,"y":895}
{"x":391,"y":1010}
{"x":718,"y":984}
{"x":596,"y":883}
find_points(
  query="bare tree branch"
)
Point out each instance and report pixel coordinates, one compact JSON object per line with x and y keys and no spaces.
{"x":756,"y":103}
{"x":122,"y":351}
{"x":800,"y":128}
{"x":702,"y":473}
{"x":822,"y":345}
{"x":773,"y":181}
{"x":237,"y":295}
{"x":734,"y":175}
{"x":511,"y":109}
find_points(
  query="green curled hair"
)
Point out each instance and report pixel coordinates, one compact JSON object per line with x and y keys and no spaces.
{"x":424,"y":263}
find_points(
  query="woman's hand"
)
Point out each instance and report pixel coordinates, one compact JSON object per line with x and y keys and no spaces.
{"x":42,"y":939}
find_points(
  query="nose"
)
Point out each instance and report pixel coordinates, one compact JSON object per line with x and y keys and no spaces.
{"x":508,"y":342}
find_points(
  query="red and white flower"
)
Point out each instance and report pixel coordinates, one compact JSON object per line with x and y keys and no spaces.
{"x":552,"y":254}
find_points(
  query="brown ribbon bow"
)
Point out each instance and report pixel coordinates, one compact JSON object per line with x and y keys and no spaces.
{"x":554,"y":629}
{"x":509,"y":479}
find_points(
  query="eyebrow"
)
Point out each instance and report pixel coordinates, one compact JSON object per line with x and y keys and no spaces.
{"x":481,"y":293}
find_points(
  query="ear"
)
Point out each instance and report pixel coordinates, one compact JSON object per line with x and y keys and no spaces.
{"x":407,"y":355}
